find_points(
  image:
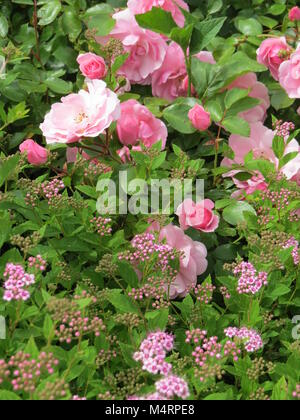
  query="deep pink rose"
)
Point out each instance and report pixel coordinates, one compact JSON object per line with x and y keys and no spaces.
{"x":92,"y":66}
{"x":257,"y":90}
{"x":294,"y":14}
{"x":147,"y":49}
{"x":170,"y":81}
{"x":86,"y":114}
{"x":192,"y":264}
{"x":260,"y":143}
{"x":289,"y":75}
{"x":197,"y":215}
{"x":137,"y":123}
{"x":272,"y":52}
{"x":143,"y":6}
{"x":199,"y":118}
{"x":36,"y":154}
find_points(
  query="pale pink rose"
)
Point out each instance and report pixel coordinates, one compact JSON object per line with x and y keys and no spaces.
{"x":260,"y":144}
{"x":170,"y":81}
{"x":143,"y":6}
{"x":192,"y":264}
{"x":137,"y":123}
{"x":36,"y":154}
{"x":147,"y":49}
{"x":258,"y":91}
{"x":86,"y":114}
{"x":197,"y":215}
{"x":199,"y":118}
{"x":289,"y":75}
{"x":256,"y":183}
{"x":294,"y":14}
{"x":272,"y":52}
{"x":92,"y":66}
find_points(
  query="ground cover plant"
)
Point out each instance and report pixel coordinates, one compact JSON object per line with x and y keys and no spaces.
{"x":111,"y":287}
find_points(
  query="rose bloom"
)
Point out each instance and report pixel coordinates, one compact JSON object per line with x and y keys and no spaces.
{"x":192,"y":264}
{"x":124,"y":153}
{"x":260,"y":143}
{"x":294,"y":14}
{"x":258,"y":91}
{"x":92,"y":66}
{"x":36,"y":154}
{"x":271,"y":54}
{"x":86,"y":114}
{"x":197,"y":215}
{"x":289,"y":75}
{"x":199,"y":118}
{"x":147,"y":49}
{"x":170,"y":81}
{"x":137,"y":123}
{"x":256,"y":183}
{"x":143,"y":6}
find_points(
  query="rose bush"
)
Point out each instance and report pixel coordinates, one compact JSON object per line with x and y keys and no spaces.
{"x":149,"y":200}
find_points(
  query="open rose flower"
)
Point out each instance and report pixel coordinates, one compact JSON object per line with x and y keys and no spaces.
{"x":289,"y":75}
{"x":86,"y":114}
{"x":92,"y":66}
{"x":170,"y":81}
{"x":260,"y":144}
{"x":36,"y":154}
{"x":137,"y":123}
{"x":192,"y":264}
{"x":197,"y":215}
{"x":146,"y":49}
{"x":258,"y":91}
{"x":199,"y":118}
{"x":272,"y":52}
{"x":294,"y":14}
{"x":143,"y":6}
{"x":256,"y":183}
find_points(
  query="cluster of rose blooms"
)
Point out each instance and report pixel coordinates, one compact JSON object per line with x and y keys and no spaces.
{"x":251,"y":339}
{"x":16,"y":282}
{"x":250,"y":281}
{"x":24,"y":372}
{"x":152,"y":353}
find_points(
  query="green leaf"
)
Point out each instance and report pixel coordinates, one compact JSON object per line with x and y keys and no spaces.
{"x":249,"y":27}
{"x":278,"y":146}
{"x":234,"y":213}
{"x":71,"y":23}
{"x":280,"y":390}
{"x":128,"y":273}
{"x":238,"y":65}
{"x":206,"y":78}
{"x":102,"y":22}
{"x":236,"y":125}
{"x":277,"y":9}
{"x":287,"y":158}
{"x":158,"y":319}
{"x":177,"y":115}
{"x":5,"y":224}
{"x":3,"y":26}
{"x":182,"y":36}
{"x":49,"y":12}
{"x":242,"y":105}
{"x":48,"y":327}
{"x":59,"y":86}
{"x":31,"y":348}
{"x":121,"y":302}
{"x":157,"y":20}
{"x":8,"y":396}
{"x":234,"y":95}
{"x":205,"y":32}
{"x":7,"y":168}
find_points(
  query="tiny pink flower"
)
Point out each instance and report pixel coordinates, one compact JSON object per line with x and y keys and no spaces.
{"x":92,"y":66}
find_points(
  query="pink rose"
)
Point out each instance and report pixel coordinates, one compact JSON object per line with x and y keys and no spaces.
{"x":192,"y":264}
{"x":147,"y":49}
{"x":256,"y":183}
{"x":272,"y":52}
{"x":197,"y":215}
{"x":143,"y":6}
{"x":289,"y":75}
{"x":36,"y":154}
{"x":257,"y":90}
{"x":260,"y":143}
{"x":124,"y":153}
{"x":86,"y":114}
{"x":170,"y":81}
{"x":294,"y":14}
{"x":199,"y":118}
{"x":92,"y":66}
{"x":137,"y":123}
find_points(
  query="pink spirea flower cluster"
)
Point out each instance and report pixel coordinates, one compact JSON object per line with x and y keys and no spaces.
{"x":250,"y":281}
{"x":51,"y":190}
{"x":78,"y":398}
{"x":102,"y":225}
{"x":296,"y":393}
{"x":283,"y":129}
{"x":251,"y":338}
{"x":204,"y":293}
{"x":76,"y":325}
{"x":293,"y":243}
{"x":172,"y":386}
{"x":24,"y":372}
{"x":37,"y":262}
{"x":153,"y":352}
{"x":155,"y":396}
{"x":16,"y":281}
